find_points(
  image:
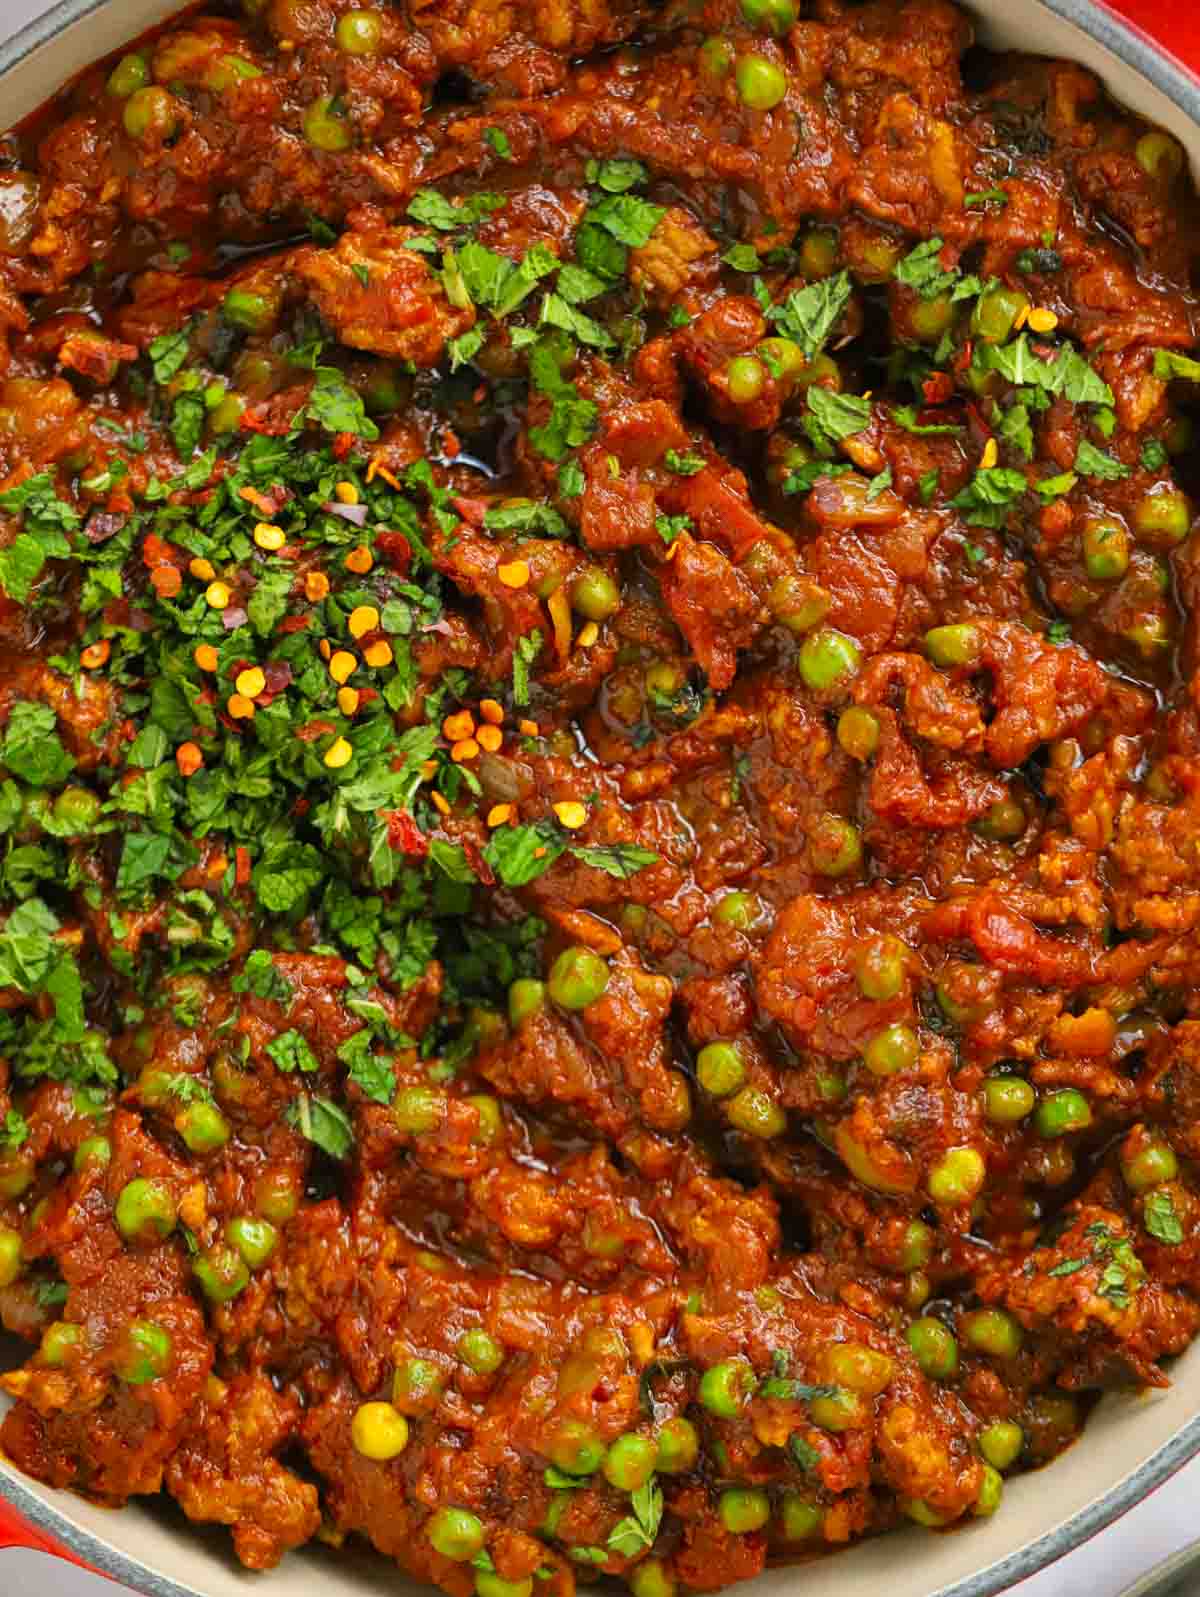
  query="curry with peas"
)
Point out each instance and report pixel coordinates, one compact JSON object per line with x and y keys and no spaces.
{"x":599,"y":786}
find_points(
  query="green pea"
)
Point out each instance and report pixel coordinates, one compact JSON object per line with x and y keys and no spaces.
{"x":917,"y":1248}
{"x":678,"y":1446}
{"x":1148,"y":635}
{"x":954,"y":996}
{"x":490,"y":1585}
{"x":959,"y":644}
{"x":743,"y":1509}
{"x":738,"y":909}
{"x":576,"y":1448}
{"x":10,"y":1255}
{"x":818,"y":251}
{"x":651,"y":1578}
{"x":880,"y":967}
{"x":131,"y":73}
{"x":144,"y":1353}
{"x":594,"y":594}
{"x":276,"y":1196}
{"x":761,"y":85}
{"x":577,"y":978}
{"x":917,"y":1290}
{"x":934,"y":1348}
{"x":145,"y":1209}
{"x":756,"y":1113}
{"x":1105,"y":550}
{"x":417,"y":1386}
{"x":991,"y":1489}
{"x":17,"y":1172}
{"x":1007,"y":1098}
{"x":418,"y":1110}
{"x":324,"y":128}
{"x":1163,"y":517}
{"x":837,"y":1411}
{"x":996,"y":312}
{"x":664,"y":680}
{"x":799,"y":1517}
{"x":929,"y":319}
{"x":359,"y":32}
{"x":150,"y":111}
{"x":745,"y":378}
{"x":777,"y":15}
{"x":716,"y":57}
{"x":480,"y":1352}
{"x":726,"y":1388}
{"x":797,"y":602}
{"x":92,"y":1152}
{"x":1159,"y":156}
{"x":629,"y":1462}
{"x":525,"y":997}
{"x":828,"y":659}
{"x":1154,"y":1163}
{"x":254,"y":313}
{"x":255,"y":1240}
{"x":957,"y":1176}
{"x":878,"y":258}
{"x":719,"y":1069}
{"x":835,"y":846}
{"x":858,"y":732}
{"x":1063,"y":1112}
{"x":831,"y":1085}
{"x":77,"y":809}
{"x":1003,"y":821}
{"x":59,"y":1341}
{"x":222,"y":1274}
{"x":992,"y":1331}
{"x":203,"y":1127}
{"x":785,"y":359}
{"x":891,"y":1050}
{"x":226,"y":417}
{"x":1001,"y":1443}
{"x":859,"y":1368}
{"x":456,"y":1534}
{"x":921,"y":1513}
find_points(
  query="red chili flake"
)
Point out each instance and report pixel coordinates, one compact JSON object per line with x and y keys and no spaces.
{"x":477,"y":862}
{"x":293,"y":624}
{"x":450,"y":444}
{"x":938,"y":387}
{"x":301,"y":806}
{"x":342,"y":445}
{"x":405,"y":836}
{"x":242,"y":874}
{"x":395,"y":548}
{"x":472,"y":510}
{"x":311,"y":730}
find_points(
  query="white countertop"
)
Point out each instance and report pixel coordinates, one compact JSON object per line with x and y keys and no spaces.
{"x":1103,"y":1568}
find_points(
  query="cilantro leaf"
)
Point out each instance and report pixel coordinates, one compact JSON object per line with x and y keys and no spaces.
{"x":921,"y":270}
{"x":906,"y":416}
{"x":987,"y":498}
{"x":1066,"y":372}
{"x":1160,"y":1219}
{"x":323,"y":1123}
{"x":742,"y":257}
{"x":615,"y":177}
{"x":168,"y":352}
{"x":335,"y":406}
{"x":290,"y":1051}
{"x":831,"y":417}
{"x":187,"y":424}
{"x":809,"y":315}
{"x":630,"y":220}
{"x":556,"y":312}
{"x":1170,"y":363}
{"x":31,"y":749}
{"x":622,"y":860}
{"x":524,"y":654}
{"x":520,"y":854}
{"x":498,"y":139}
{"x":1093,"y":462}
